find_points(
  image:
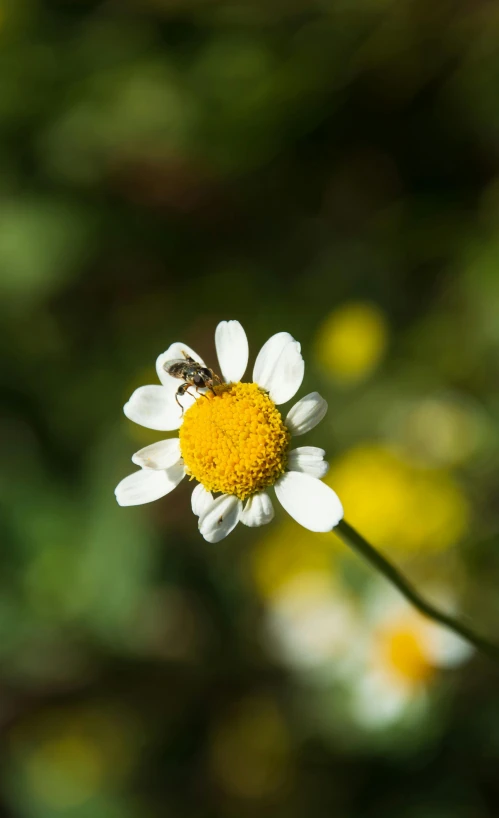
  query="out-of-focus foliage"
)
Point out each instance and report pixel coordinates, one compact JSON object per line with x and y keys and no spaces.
{"x":323,"y":167}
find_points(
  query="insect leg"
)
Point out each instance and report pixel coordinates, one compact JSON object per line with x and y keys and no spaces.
{"x":180,"y":391}
{"x":183,"y":388}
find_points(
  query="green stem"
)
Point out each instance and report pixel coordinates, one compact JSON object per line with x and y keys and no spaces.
{"x":393,"y":575}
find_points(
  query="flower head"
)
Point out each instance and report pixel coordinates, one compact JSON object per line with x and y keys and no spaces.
{"x":403,"y":653}
{"x":233,"y":439}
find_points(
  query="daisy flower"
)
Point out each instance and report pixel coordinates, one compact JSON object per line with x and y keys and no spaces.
{"x":233,"y":439}
{"x":403,"y":653}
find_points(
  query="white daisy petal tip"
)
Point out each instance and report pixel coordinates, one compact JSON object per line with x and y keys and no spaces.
{"x":279,"y":367}
{"x":220,"y":518}
{"x":306,"y":413}
{"x":155,"y":408}
{"x":201,"y":500}
{"x":147,"y":485}
{"x":159,"y":455}
{"x":309,"y":501}
{"x":308,"y":459}
{"x":232,"y":350}
{"x":258,"y":510}
{"x":268,"y":355}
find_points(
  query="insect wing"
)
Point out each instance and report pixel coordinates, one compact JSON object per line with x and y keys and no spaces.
{"x":175,"y":367}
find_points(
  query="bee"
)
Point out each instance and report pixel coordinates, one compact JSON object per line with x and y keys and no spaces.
{"x":192,"y":373}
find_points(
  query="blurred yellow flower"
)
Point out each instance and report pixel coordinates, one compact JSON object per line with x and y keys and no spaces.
{"x":287,"y":553}
{"x":397,"y":505}
{"x":352,"y":341}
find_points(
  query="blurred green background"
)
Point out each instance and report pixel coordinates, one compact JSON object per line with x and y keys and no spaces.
{"x":325,"y":167}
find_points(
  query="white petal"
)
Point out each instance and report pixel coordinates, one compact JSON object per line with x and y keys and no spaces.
{"x":308,"y":459}
{"x":445,"y":649}
{"x":201,"y":500}
{"x":232,"y":350}
{"x":160,"y":455}
{"x":267,"y":356}
{"x":279,"y":367}
{"x":174,"y":352}
{"x":306,"y":414}
{"x":155,"y":408}
{"x":379,"y":701}
{"x":146,"y":485}
{"x":309,"y":501}
{"x":220,"y":518}
{"x":258,"y":510}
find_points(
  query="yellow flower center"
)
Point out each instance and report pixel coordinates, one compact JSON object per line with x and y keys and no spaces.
{"x":234,"y":441}
{"x":405,"y":654}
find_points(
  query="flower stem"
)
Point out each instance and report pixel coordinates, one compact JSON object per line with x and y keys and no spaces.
{"x":353,"y":539}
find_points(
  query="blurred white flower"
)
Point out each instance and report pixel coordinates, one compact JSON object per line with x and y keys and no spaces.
{"x":235,"y":442}
{"x":313,"y":626}
{"x":403,"y":652}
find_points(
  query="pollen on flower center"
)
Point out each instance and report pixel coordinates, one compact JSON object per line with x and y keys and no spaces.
{"x":234,"y":441}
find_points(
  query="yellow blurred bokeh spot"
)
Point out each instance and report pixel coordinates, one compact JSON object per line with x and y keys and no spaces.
{"x":286,"y":552}
{"x":403,"y":652}
{"x":396,"y":504}
{"x":351,"y":341}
